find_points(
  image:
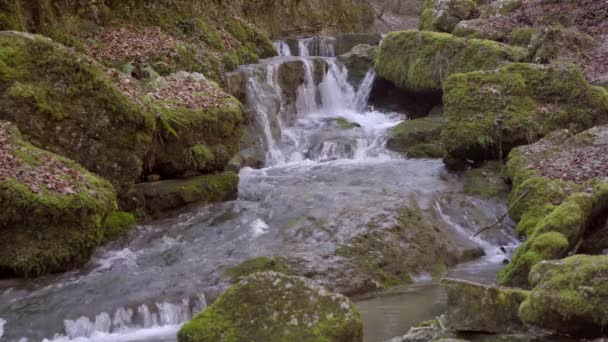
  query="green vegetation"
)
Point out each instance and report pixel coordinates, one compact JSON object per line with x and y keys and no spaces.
{"x":418,"y":138}
{"x":275,"y":307}
{"x":118,"y":224}
{"x":422,"y":61}
{"x":10,"y":15}
{"x":486,"y":181}
{"x":443,"y":15}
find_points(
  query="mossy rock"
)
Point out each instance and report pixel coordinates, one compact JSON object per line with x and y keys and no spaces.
{"x":482,"y":308}
{"x":10,"y":16}
{"x":490,"y":112}
{"x":118,"y":224}
{"x":486,"y":181}
{"x":553,"y":213}
{"x":344,"y":124}
{"x":443,"y":15}
{"x":156,"y":199}
{"x":479,"y":29}
{"x":559,"y":43}
{"x":196,"y":137}
{"x":271,"y":307}
{"x":418,"y":138}
{"x":358,"y":62}
{"x":570,"y":296}
{"x":53,"y":219}
{"x":421,"y":61}
{"x":66,"y":104}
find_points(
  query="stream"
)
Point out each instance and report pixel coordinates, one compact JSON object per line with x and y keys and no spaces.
{"x":320,"y":186}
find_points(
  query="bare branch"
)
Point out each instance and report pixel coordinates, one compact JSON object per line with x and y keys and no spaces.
{"x":503,"y":217}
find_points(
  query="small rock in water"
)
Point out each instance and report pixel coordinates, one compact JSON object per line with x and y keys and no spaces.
{"x":505,"y":262}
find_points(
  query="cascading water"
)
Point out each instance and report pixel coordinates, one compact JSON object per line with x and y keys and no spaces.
{"x":326,"y":175}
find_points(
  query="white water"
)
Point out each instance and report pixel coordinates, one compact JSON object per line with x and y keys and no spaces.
{"x":317,"y":46}
{"x":282,"y":48}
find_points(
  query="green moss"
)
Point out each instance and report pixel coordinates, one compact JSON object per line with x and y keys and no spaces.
{"x":558,"y":43}
{"x":198,"y":157}
{"x":422,"y":61}
{"x":569,"y":296}
{"x":10,"y":16}
{"x":47,"y":231}
{"x":118,"y":224}
{"x":490,"y":112}
{"x":442,"y":16}
{"x":521,"y":36}
{"x":486,"y":181}
{"x":53,"y":94}
{"x":261,"y":264}
{"x":418,"y":138}
{"x":274,"y":307}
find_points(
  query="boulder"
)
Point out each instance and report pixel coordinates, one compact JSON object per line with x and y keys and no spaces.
{"x":480,"y":29}
{"x":559,"y":190}
{"x":424,"y":332}
{"x":53,"y":210}
{"x":155,"y":199}
{"x":345,"y":42}
{"x":200,"y":126}
{"x":66,"y":104}
{"x":570,"y":296}
{"x":443,"y":15}
{"x":358,"y":61}
{"x":418,"y":138}
{"x":270,"y":306}
{"x":490,"y":112}
{"x":421,"y":61}
{"x":559,"y":43}
{"x":481,"y":308}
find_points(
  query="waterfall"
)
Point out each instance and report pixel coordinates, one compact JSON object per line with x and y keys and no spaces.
{"x":364,"y":90}
{"x":317,"y":46}
{"x":282,"y":48}
{"x":2,"y":323}
{"x":306,"y":101}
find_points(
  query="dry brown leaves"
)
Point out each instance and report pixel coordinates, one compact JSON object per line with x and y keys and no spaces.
{"x":576,"y":165}
{"x":190,"y":93}
{"x":134,"y":45}
{"x":51,"y":174}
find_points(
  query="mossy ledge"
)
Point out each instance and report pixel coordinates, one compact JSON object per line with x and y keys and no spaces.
{"x":273,"y":307}
{"x":43,"y":230}
{"x":420,"y":61}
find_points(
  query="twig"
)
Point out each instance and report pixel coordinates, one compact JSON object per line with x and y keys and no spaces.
{"x":502,"y":218}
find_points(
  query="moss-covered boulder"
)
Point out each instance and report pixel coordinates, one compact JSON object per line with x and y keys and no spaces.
{"x":418,"y":138}
{"x":482,"y":308}
{"x":443,"y":15}
{"x":155,"y":199}
{"x":200,"y":126}
{"x":359,"y":61}
{"x":490,"y":112}
{"x":570,"y":296}
{"x":480,"y":29}
{"x":559,"y":43}
{"x":421,"y":61}
{"x":270,"y":306}
{"x":559,"y":191}
{"x":66,"y":104}
{"x":53,"y":210}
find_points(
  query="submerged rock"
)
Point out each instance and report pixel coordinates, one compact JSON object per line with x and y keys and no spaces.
{"x":53,"y":210}
{"x":270,"y":306}
{"x":490,"y":112}
{"x":570,"y":296}
{"x":418,"y":138}
{"x":66,"y":104}
{"x":443,"y":15}
{"x":561,"y":184}
{"x":157,"y":198}
{"x":480,"y":308}
{"x":421,"y":61}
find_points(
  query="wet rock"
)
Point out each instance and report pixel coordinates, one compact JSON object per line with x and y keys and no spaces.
{"x":358,"y":61}
{"x":421,"y":61}
{"x":562,"y":192}
{"x":569,"y":296}
{"x":344,"y":124}
{"x":270,"y":306}
{"x":53,"y":210}
{"x":443,"y":15}
{"x":346,"y":42}
{"x":490,"y":112}
{"x":157,"y":198}
{"x":425,"y":332}
{"x":418,"y":138}
{"x":200,"y":126}
{"x":486,"y":181}
{"x":479,"y":308}
{"x":66,"y":104}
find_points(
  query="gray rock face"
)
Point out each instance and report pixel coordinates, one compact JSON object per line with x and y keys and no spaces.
{"x":480,"y":308}
{"x":271,"y":306}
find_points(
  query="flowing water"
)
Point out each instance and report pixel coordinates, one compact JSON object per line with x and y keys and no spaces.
{"x":322,"y":183}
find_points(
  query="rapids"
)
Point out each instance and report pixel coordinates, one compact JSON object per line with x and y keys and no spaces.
{"x":320,"y":185}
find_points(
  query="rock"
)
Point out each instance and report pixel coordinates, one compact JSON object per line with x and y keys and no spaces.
{"x":156,"y":199}
{"x":425,"y":332}
{"x":418,"y":138}
{"x":358,"y":61}
{"x":569,"y":296}
{"x":480,"y":29}
{"x":53,"y":210}
{"x":346,"y":42}
{"x":344,"y":124}
{"x":421,"y":61}
{"x":271,"y":306}
{"x":443,"y":15}
{"x":486,"y":181}
{"x":558,"y":43}
{"x":10,"y":16}
{"x":481,"y":308}
{"x":500,"y":8}
{"x":118,"y":224}
{"x":66,"y":104}
{"x":562,"y":191}
{"x":491,"y":112}
{"x":200,"y":126}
